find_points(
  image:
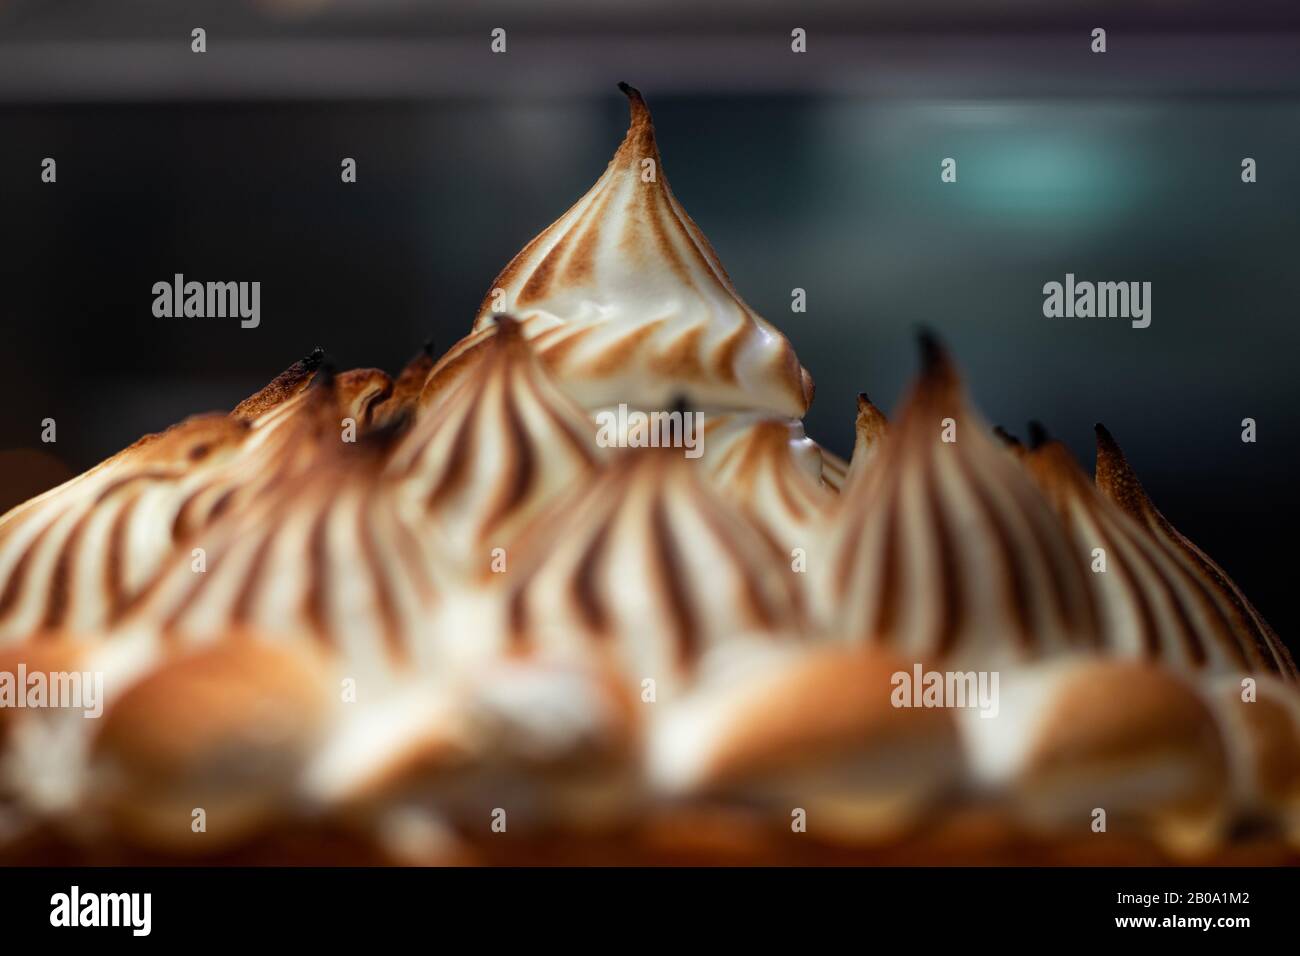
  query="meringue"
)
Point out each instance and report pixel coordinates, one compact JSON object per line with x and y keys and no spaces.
{"x":947,"y":547}
{"x":1226,"y":619}
{"x":492,"y":450}
{"x":326,"y":555}
{"x":1154,"y":603}
{"x":647,"y":565}
{"x":73,"y":558}
{"x":626,"y":301}
{"x":774,"y":471}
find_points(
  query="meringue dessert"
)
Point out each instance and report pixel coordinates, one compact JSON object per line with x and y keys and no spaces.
{"x":438,"y":619}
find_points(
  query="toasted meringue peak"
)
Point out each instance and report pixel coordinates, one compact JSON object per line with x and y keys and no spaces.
{"x":627,"y":301}
{"x":946,"y":546}
{"x":870,"y":429}
{"x":324,"y":555}
{"x":1222,"y":620}
{"x":1153,"y":604}
{"x":773,"y":470}
{"x":285,"y":385}
{"x":73,"y":558}
{"x":646,"y":563}
{"x":494,"y":450}
{"x":407,"y":388}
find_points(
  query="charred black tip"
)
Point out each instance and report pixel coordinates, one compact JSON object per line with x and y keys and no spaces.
{"x":932,"y":354}
{"x":326,"y":371}
{"x":1038,"y":436}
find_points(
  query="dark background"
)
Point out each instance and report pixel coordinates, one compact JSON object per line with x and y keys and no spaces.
{"x":819,"y":171}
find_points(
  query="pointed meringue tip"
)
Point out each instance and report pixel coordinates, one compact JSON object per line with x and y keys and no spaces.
{"x":1106,"y":444}
{"x":931,"y":350}
{"x":327,"y":371}
{"x":1110,"y":457}
{"x":867,"y":411}
{"x":632,"y":93}
{"x":935,"y":362}
{"x":427,"y":347}
{"x":637,"y":104}
{"x":1115,"y":477}
{"x":313,"y":359}
{"x":1038,"y":436}
{"x":1006,"y":437}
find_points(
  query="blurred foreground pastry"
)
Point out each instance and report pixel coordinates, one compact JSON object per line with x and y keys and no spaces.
{"x":445,"y":617}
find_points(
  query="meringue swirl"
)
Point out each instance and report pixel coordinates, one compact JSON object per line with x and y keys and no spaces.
{"x":493,"y":449}
{"x":648,"y":565}
{"x":947,"y":547}
{"x":627,"y":301}
{"x":72,"y":559}
{"x":1153,"y":604}
{"x":773,"y":470}
{"x":1181,"y":600}
{"x":325,"y":555}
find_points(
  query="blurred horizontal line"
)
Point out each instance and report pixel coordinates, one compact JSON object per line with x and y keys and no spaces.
{"x":550,"y":66}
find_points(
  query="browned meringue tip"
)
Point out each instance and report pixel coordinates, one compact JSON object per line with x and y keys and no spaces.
{"x":640,"y":139}
{"x":640,"y":112}
{"x":408,"y":384}
{"x":937,"y":367}
{"x":285,"y":385}
{"x":871,"y":422}
{"x":1115,"y":476}
{"x":1054,"y":469}
{"x":869,"y":429}
{"x":418,"y":365}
